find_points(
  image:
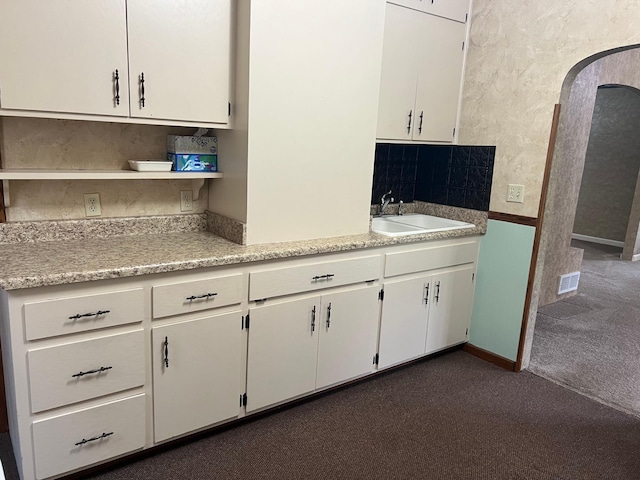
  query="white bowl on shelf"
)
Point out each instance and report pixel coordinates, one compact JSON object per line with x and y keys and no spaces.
{"x":150,"y":165}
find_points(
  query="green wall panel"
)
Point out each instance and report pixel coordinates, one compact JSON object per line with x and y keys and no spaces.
{"x":501,"y":286}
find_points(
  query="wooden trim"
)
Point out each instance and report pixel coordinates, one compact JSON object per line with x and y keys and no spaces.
{"x":508,"y":217}
{"x":3,"y":215}
{"x":490,"y":357}
{"x":536,"y":240}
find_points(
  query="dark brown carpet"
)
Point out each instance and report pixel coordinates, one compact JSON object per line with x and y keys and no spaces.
{"x":452,"y":417}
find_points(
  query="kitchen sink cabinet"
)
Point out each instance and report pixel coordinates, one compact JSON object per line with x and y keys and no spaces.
{"x":123,"y":60}
{"x":428,"y":296}
{"x":421,"y":75}
{"x":304,"y":344}
{"x":452,"y":9}
{"x":196,"y":371}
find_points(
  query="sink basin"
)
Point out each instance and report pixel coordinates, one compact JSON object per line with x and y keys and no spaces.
{"x":414,"y":223}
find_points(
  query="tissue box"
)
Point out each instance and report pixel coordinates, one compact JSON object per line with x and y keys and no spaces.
{"x":189,"y":145}
{"x":188,"y":162}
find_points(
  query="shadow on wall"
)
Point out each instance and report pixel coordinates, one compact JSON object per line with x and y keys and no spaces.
{"x":458,"y":176}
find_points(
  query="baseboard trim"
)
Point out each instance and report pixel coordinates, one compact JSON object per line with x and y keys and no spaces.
{"x":601,"y":241}
{"x":490,"y":357}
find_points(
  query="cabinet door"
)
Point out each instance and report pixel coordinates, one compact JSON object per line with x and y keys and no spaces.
{"x":182,"y":50}
{"x":396,"y":109}
{"x":283,"y":350}
{"x":405,"y":312}
{"x":348,"y":335}
{"x":453,"y":9}
{"x":62,"y":56}
{"x":439,"y":76}
{"x":200,"y":385}
{"x":450,"y":313}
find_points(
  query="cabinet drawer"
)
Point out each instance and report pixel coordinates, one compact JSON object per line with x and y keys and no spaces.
{"x":314,"y":276}
{"x":432,"y":258}
{"x":72,"y":372}
{"x":107,"y":431}
{"x":78,"y":314}
{"x":193,"y":296}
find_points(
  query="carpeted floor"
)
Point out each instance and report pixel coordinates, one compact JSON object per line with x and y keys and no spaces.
{"x":591,"y":342}
{"x":451,"y":417}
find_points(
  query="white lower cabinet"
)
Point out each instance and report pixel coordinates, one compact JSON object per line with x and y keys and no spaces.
{"x":426,"y":313}
{"x":298,"y":346}
{"x":196,"y":373}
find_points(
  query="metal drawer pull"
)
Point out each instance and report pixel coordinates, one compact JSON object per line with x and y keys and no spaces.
{"x":409,"y":124}
{"x":166,"y":352}
{"x":313,"y":319}
{"x":97,"y":370}
{"x":97,"y":314}
{"x":198,"y":297}
{"x":426,"y":295}
{"x":420,"y":127}
{"x":117,"y":79}
{"x":328,"y":316}
{"x":93,"y":439}
{"x":437,"y":295}
{"x":320,"y":277}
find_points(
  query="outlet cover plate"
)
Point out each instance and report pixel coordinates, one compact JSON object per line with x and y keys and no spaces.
{"x":515,"y":193}
{"x":186,"y":200}
{"x":92,"y":206}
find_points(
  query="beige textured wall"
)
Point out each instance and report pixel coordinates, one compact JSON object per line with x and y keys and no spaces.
{"x":519,"y":55}
{"x":611,"y":165}
{"x":64,"y":144}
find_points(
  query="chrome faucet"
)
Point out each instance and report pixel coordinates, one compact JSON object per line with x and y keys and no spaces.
{"x":384,"y":202}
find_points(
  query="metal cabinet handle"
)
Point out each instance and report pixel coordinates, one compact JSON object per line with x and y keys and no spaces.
{"x":93,"y":439}
{"x":199,"y":297}
{"x":420,"y":126}
{"x":313,"y":319}
{"x":328,"y":316}
{"x":97,"y":370}
{"x":142,"y":99}
{"x":117,"y":80}
{"x":437,"y":295}
{"x":96,"y":314}
{"x":166,"y":352}
{"x":426,"y":295}
{"x":326,"y":277}
{"x":409,"y":124}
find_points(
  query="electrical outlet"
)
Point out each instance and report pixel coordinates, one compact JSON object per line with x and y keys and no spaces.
{"x":515,"y":193}
{"x":186,"y":200}
{"x":92,"y":205}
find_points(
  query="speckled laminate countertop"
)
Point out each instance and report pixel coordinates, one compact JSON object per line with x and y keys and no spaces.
{"x":28,"y":265}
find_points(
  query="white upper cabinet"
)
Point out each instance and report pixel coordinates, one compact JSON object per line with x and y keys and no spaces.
{"x":62,"y":56}
{"x":87,"y":59}
{"x":421,"y":75}
{"x":453,"y":9}
{"x":182,"y":50}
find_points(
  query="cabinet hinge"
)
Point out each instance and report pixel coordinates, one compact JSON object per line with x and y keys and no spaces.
{"x":473,"y":277}
{"x":467,"y":332}
{"x":463,"y":46}
{"x":376,"y":359}
{"x":454,"y":131}
{"x":229,"y":108}
{"x":243,"y":400}
{"x":466,"y":17}
{"x":381,"y":295}
{"x":245,"y":322}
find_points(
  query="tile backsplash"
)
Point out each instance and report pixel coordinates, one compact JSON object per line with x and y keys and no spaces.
{"x":455,"y":175}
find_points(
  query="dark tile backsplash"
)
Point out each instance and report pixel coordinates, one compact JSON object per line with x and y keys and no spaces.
{"x":457,"y":175}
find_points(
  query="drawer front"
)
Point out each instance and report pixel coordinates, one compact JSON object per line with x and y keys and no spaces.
{"x":79,"y":314}
{"x":185,"y":297}
{"x":413,"y":261}
{"x":89,"y":436}
{"x":314,"y":276}
{"x":78,"y":371}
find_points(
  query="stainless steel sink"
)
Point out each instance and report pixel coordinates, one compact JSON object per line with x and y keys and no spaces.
{"x":414,"y":223}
